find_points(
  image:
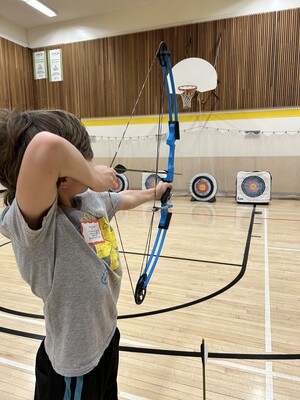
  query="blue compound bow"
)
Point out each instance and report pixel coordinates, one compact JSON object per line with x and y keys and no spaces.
{"x":165,"y":217}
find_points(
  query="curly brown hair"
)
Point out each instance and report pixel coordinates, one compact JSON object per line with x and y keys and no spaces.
{"x":17,"y":130}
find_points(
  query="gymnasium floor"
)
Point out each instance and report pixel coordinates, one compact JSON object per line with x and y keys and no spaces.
{"x":205,"y":250}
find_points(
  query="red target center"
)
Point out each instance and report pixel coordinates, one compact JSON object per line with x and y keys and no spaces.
{"x":253,"y":186}
{"x":202,"y":187}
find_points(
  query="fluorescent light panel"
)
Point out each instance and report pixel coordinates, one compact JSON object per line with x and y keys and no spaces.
{"x":41,"y":7}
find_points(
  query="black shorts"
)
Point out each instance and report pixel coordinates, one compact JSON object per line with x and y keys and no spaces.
{"x":98,"y":384}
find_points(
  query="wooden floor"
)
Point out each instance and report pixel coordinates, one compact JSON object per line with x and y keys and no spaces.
{"x":259,"y":315}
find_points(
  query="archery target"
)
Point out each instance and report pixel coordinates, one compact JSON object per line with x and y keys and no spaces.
{"x":203,"y":187}
{"x":123,"y":183}
{"x":253,"y":187}
{"x":150,"y":180}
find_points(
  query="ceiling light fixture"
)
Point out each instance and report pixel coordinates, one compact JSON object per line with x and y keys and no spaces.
{"x":41,"y":7}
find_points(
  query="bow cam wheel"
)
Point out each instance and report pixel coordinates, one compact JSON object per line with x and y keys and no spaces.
{"x":140,"y":290}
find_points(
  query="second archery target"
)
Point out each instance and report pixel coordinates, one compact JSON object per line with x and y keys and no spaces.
{"x":253,"y":187}
{"x":123,"y":183}
{"x":150,"y":180}
{"x":203,"y":187}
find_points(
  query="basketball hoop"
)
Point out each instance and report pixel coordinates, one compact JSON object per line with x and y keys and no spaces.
{"x":187,"y":93}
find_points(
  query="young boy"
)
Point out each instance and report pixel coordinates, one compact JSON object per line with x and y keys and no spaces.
{"x":57,"y":217}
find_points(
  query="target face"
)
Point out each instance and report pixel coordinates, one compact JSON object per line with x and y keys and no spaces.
{"x":152,"y":180}
{"x":203,"y":187}
{"x":253,"y":186}
{"x":122,"y":183}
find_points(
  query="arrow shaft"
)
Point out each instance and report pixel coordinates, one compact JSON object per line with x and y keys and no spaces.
{"x":121,"y":169}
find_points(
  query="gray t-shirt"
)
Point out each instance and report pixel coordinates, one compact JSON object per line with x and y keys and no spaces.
{"x":72,"y":264}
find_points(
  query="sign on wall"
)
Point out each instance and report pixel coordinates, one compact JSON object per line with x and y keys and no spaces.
{"x":55,"y":65}
{"x":39,"y":65}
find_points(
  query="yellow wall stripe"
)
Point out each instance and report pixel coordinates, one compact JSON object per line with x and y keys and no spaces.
{"x":196,"y":117}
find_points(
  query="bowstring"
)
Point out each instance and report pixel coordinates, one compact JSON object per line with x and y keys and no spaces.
{"x":135,"y":106}
{"x":112,"y":162}
{"x":154,"y":209}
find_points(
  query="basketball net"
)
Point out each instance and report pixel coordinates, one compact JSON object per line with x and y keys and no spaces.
{"x":187,"y":93}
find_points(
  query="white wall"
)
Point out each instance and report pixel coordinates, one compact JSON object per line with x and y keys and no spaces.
{"x":202,"y":135}
{"x":164,"y":14}
{"x":215,"y":143}
{"x":13,"y":32}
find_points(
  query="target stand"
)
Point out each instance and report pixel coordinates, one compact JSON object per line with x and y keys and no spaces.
{"x":203,"y":187}
{"x":253,"y":187}
{"x":123,"y":183}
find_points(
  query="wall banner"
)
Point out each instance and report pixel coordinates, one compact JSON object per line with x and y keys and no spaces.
{"x":55,"y":65}
{"x":39,"y":65}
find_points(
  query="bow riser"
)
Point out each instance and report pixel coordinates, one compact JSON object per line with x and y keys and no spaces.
{"x":165,"y":217}
{"x":172,"y":137}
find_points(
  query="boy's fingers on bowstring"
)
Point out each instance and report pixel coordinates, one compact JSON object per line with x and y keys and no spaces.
{"x":114,"y":178}
{"x":106,"y":178}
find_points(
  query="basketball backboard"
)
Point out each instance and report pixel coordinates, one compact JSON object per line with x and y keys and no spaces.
{"x":196,"y":72}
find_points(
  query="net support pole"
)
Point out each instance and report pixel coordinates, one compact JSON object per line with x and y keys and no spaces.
{"x":204,"y":356}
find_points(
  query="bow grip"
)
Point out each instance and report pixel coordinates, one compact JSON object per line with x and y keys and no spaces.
{"x":166,"y":196}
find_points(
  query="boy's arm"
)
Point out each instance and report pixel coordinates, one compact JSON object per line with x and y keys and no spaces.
{"x":48,"y":157}
{"x":134,"y":198}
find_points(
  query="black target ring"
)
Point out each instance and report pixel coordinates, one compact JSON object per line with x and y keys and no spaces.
{"x":203,"y":187}
{"x":253,"y":186}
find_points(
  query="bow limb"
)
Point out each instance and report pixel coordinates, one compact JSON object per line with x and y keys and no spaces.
{"x":165,"y":214}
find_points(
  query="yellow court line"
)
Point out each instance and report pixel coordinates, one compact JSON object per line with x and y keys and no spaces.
{"x":196,"y":117}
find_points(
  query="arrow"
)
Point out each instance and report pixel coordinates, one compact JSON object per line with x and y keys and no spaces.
{"x":120,"y":169}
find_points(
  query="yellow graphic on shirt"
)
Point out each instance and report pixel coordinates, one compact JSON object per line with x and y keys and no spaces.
{"x":108,"y":248}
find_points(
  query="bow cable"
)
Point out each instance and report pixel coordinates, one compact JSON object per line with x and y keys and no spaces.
{"x":165,"y":215}
{"x":140,"y":291}
{"x":115,"y":156}
{"x":154,"y":208}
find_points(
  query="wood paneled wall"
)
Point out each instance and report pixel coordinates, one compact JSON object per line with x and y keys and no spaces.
{"x":258,"y":66}
{"x":16,"y":76}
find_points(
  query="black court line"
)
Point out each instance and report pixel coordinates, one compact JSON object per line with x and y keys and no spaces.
{"x":4,"y":244}
{"x":214,"y":294}
{"x":184,"y":305}
{"x":21,"y":313}
{"x":177,"y":353}
{"x":39,"y":316}
{"x":183,"y":259}
{"x":21,"y":333}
